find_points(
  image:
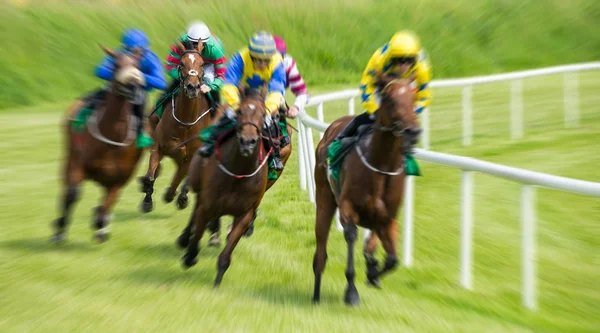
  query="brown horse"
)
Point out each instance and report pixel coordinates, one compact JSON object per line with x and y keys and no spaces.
{"x":371,"y":183}
{"x":106,"y":152}
{"x":183,"y":118}
{"x":231,"y":182}
{"x":215,"y":226}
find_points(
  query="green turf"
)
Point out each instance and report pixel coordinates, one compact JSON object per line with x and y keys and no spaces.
{"x":135,"y":281}
{"x":50,"y":46}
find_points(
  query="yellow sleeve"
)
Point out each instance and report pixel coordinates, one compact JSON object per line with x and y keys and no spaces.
{"x":274,"y":100}
{"x":423,"y":78}
{"x":367,"y":84}
{"x":231,"y":95}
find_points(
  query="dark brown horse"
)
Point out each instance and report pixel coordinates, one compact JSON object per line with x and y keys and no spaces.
{"x":231,"y":182}
{"x":106,"y":152}
{"x":371,"y":183}
{"x":215,"y":226}
{"x":182,"y":119}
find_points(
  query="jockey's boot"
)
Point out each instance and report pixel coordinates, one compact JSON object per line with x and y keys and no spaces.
{"x":164,"y":97}
{"x":350,"y":129}
{"x":143,"y":140}
{"x":271,"y":128}
{"x":222,"y":125}
{"x":214,"y":100}
{"x":91,"y":102}
{"x":285,"y":140}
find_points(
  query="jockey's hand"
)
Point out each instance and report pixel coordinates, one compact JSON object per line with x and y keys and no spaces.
{"x":275,"y":115}
{"x":204,"y":88}
{"x":292,"y":112}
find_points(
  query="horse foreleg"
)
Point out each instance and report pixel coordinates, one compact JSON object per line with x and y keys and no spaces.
{"x":148,"y":180}
{"x":184,"y":238}
{"x":325,"y":211}
{"x":371,"y":261}
{"x":190,"y":258}
{"x":102,"y":219}
{"x":74,"y":177}
{"x":240,"y":225}
{"x":389,"y":240}
{"x":181,"y":172}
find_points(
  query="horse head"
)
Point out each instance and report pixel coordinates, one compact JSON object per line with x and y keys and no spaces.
{"x":128,"y":79}
{"x":251,"y":116}
{"x":190,"y":69}
{"x":396,"y":112}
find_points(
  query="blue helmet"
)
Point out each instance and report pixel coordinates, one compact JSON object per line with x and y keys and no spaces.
{"x":134,"y":38}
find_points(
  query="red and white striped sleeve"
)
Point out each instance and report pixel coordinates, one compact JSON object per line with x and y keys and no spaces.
{"x":295,"y":82}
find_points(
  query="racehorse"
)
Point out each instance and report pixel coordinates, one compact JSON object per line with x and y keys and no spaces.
{"x":106,"y":152}
{"x":370,"y":186}
{"x":183,"y":118}
{"x":215,"y":226}
{"x":230,"y":182}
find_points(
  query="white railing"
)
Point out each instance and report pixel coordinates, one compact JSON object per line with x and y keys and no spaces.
{"x":528,"y":179}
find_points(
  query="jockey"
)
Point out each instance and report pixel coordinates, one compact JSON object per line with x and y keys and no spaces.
{"x":402,"y":56}
{"x":136,"y":42}
{"x":293,"y":79}
{"x":252,"y":66}
{"x":213,"y":55}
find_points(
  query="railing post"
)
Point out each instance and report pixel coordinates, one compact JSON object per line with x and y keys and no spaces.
{"x":528,"y":246}
{"x":311,"y":159}
{"x":426,"y":130}
{"x":301,"y":166}
{"x":407,"y":225}
{"x":571,"y":99}
{"x":467,"y":115}
{"x":351,"y":106}
{"x":516,"y":109}
{"x":320,"y":116}
{"x":466,"y":230}
{"x":308,"y":168}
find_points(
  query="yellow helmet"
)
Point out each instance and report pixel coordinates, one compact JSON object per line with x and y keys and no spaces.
{"x":403,"y":44}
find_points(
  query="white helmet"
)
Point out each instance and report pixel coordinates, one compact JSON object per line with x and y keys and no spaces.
{"x":198,"y":31}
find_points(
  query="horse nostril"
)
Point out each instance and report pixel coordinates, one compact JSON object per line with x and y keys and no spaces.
{"x":253,"y":141}
{"x":414,"y":131}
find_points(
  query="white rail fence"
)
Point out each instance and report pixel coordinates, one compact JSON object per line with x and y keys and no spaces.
{"x":528,"y":179}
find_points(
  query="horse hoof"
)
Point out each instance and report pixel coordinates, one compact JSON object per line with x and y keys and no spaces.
{"x":250,"y":231}
{"x":101,"y":237}
{"x":188,"y":262}
{"x":168,"y":196}
{"x":373,"y":282}
{"x":214,"y":240}
{"x":183,"y":241}
{"x":351,"y":297}
{"x":60,"y":237}
{"x":316,"y":301}
{"x":182,"y":202}
{"x":146,"y":206}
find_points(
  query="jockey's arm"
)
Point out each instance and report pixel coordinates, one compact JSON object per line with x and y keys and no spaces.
{"x":233,"y":75}
{"x":276,"y":89}
{"x":216,"y":56}
{"x":423,"y":78}
{"x":296,"y":84}
{"x":173,"y":60}
{"x":153,"y":72}
{"x":105,"y":70}
{"x":367,"y":84}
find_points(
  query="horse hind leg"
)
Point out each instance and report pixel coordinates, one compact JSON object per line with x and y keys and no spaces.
{"x":389,"y":240}
{"x":326,"y":206}
{"x":70,"y":197}
{"x":182,"y":199}
{"x":214,"y":227}
{"x":147,"y":181}
{"x":250,"y":230}
{"x":102,"y":218}
{"x":370,"y":260}
{"x":181,"y":172}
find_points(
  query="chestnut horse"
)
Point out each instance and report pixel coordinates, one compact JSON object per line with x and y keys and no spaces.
{"x":182,"y":119}
{"x":230,"y":182}
{"x":106,"y":152}
{"x":371,"y":183}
